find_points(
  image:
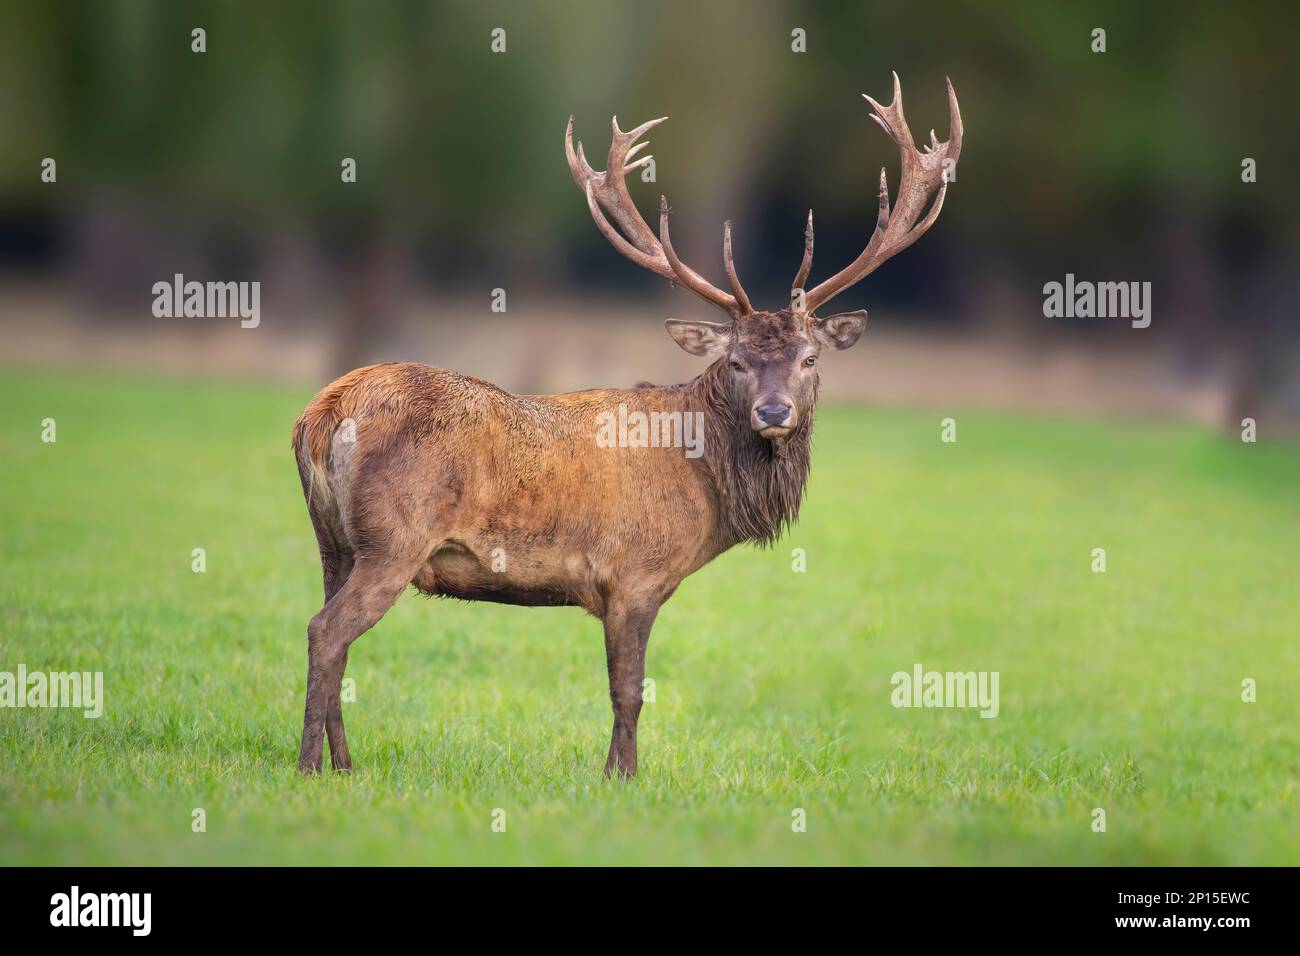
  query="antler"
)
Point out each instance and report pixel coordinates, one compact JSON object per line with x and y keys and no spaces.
{"x":805,"y":266}
{"x":921,"y":180}
{"x":607,"y":193}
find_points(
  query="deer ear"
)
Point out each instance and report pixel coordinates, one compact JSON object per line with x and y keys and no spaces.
{"x":709,"y":339}
{"x":842,"y":330}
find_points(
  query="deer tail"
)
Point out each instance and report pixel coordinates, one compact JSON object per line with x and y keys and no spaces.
{"x":312,"y":434}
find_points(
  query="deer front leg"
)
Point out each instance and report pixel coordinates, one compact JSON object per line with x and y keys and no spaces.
{"x":627,"y":631}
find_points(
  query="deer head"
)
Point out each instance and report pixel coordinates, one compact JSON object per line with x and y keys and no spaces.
{"x":771,"y":356}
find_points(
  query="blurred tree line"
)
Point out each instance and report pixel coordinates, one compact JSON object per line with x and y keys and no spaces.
{"x":1117,"y":165}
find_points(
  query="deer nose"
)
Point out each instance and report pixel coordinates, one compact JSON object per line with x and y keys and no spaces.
{"x":773,"y":414}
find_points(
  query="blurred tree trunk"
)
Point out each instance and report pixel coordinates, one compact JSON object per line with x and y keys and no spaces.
{"x":1205,"y":341}
{"x":728,"y":127}
{"x":376,"y":286}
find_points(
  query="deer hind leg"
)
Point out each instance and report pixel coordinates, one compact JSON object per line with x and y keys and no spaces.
{"x":339,"y":758}
{"x":627,"y":632}
{"x":336,"y":561}
{"x":372,"y":587}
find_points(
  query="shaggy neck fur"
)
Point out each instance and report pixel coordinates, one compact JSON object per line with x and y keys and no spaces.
{"x":759,"y":482}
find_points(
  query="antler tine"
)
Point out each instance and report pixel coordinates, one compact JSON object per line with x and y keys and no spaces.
{"x":805,"y":267}
{"x":922,"y":182}
{"x":578,"y":166}
{"x":608,"y":198}
{"x":729,"y":264}
{"x":616,"y":239}
{"x":955,"y":128}
{"x":622,"y":146}
{"x":687,"y":276}
{"x":882,"y":213}
{"x":632,"y":136}
{"x":890,"y":118}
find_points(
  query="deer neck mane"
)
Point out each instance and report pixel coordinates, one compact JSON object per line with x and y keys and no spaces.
{"x":759,"y":483}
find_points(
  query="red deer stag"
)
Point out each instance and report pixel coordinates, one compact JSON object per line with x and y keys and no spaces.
{"x":417,"y":475}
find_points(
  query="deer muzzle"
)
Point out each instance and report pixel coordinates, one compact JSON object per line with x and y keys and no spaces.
{"x":772,"y":417}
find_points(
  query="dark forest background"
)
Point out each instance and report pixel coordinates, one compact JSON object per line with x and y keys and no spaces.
{"x":1122,"y":165}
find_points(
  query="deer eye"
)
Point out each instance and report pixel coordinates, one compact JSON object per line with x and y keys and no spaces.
{"x":810,"y":361}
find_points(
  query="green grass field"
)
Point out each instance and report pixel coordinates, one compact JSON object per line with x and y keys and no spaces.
{"x":1119,"y":690}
